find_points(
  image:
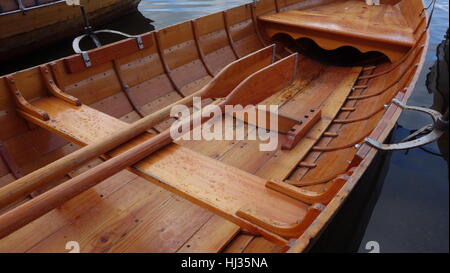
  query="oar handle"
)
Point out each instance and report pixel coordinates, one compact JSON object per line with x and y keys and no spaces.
{"x":53,"y":198}
{"x":57,"y":169}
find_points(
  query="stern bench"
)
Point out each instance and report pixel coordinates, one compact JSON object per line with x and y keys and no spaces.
{"x":364,"y":28}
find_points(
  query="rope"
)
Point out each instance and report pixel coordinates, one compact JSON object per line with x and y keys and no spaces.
{"x":431,"y":13}
{"x":429,"y":5}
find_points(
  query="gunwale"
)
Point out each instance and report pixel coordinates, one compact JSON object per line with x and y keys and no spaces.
{"x":31,"y":8}
{"x":380,"y":132}
{"x":51,"y":22}
{"x":385,"y":125}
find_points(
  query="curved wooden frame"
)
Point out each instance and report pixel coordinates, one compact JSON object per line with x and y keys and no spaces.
{"x":318,"y":215}
{"x":226,"y":80}
{"x":364,"y":155}
{"x":165,"y":66}
{"x":22,"y":103}
{"x":306,"y":196}
{"x":54,"y":89}
{"x":290,"y":231}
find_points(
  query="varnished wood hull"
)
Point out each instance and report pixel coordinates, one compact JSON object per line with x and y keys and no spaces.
{"x":51,"y":22}
{"x":205,"y":196}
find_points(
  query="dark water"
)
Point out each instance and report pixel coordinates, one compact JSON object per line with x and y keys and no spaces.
{"x":411,"y":214}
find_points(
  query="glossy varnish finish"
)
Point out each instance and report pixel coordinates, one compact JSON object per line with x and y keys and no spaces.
{"x":220,"y":195}
{"x":347,"y":23}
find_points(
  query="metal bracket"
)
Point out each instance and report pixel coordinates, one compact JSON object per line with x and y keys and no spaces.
{"x":85,"y":54}
{"x":21,"y":6}
{"x":254,"y":3}
{"x":437,"y":131}
{"x":86,"y":59}
{"x":93,"y":35}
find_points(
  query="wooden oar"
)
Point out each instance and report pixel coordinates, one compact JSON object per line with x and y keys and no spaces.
{"x":253,"y":90}
{"x":219,"y":87}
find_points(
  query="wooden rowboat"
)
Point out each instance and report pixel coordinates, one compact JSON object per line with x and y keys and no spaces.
{"x":31,"y":24}
{"x":82,"y":137}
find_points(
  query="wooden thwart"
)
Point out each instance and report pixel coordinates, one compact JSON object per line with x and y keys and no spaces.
{"x":236,"y":195}
{"x":96,"y":130}
{"x":361,"y":32}
{"x":223,"y":189}
{"x":287,"y":194}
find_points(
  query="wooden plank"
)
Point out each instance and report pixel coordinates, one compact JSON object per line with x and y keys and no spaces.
{"x":244,"y":155}
{"x":252,"y":166}
{"x":38,"y":230}
{"x":261,"y":245}
{"x":239,"y":244}
{"x":98,"y":229}
{"x":42,"y":17}
{"x":224,"y":151}
{"x":280,"y":166}
{"x":361,"y":28}
{"x":340,"y":151}
{"x":211,"y":235}
{"x":288,"y":62}
{"x":80,"y":124}
{"x":6,"y":179}
{"x":298,"y":131}
{"x":166,"y":230}
{"x":65,"y":122}
{"x":380,"y":32}
{"x":198,"y":242}
{"x":141,"y":211}
{"x":217,"y":186}
{"x":181,"y":57}
{"x":257,"y":210}
{"x":213,"y":41}
{"x":279,"y":80}
{"x":284,"y":5}
{"x":90,"y":86}
{"x":334,"y":131}
{"x":105,"y":54}
{"x":264,"y":7}
{"x":242,"y":30}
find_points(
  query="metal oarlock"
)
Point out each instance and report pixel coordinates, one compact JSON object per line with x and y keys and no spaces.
{"x":93,"y":35}
{"x":21,"y":6}
{"x":85,"y":55}
{"x":439,"y":126}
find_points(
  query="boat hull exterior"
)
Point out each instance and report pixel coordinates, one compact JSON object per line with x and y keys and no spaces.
{"x":28,"y":32}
